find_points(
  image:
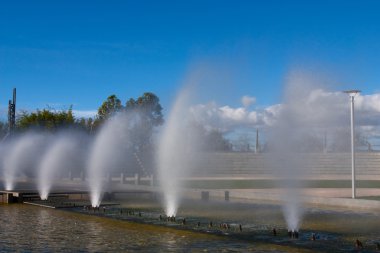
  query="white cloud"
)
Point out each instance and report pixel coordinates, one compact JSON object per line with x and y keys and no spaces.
{"x":226,"y":118}
{"x":247,"y":101}
{"x":85,"y":113}
{"x":319,"y":108}
{"x":368,"y":103}
{"x":270,"y":114}
{"x":233,"y":114}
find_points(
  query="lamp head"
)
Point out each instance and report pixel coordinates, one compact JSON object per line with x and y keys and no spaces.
{"x":352,"y":93}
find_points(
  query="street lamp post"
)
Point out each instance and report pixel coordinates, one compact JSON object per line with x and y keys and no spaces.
{"x":352,"y":94}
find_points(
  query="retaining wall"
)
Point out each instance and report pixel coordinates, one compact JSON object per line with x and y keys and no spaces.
{"x":251,"y":164}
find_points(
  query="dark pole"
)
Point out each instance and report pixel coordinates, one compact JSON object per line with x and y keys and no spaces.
{"x":12,"y":113}
{"x":9,"y":117}
{"x":14,"y":109}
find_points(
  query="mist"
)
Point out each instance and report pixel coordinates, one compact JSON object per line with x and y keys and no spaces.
{"x":63,"y":156}
{"x":22,"y":155}
{"x":291,"y":136}
{"x":108,"y":153}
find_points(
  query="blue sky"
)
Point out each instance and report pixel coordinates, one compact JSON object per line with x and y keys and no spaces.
{"x":62,"y":53}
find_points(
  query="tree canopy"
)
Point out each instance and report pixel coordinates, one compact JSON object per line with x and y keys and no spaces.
{"x":148,"y":111}
{"x":46,"y":119}
{"x":109,"y":107}
{"x":210,"y":140}
{"x":148,"y":106}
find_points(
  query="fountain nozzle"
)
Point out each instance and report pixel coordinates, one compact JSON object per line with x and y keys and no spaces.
{"x":293,"y":234}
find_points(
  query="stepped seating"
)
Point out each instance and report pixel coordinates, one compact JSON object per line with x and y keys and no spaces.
{"x":241,"y":164}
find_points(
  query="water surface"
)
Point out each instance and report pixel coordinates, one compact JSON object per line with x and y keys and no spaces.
{"x":34,"y":229}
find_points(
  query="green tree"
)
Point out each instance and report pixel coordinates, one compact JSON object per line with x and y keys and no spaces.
{"x":215,"y":141}
{"x":46,"y":119}
{"x":146,"y":113}
{"x":209,"y":140}
{"x":109,"y":107}
{"x":149,"y":107}
{"x":148,"y":110}
{"x":87,"y":124}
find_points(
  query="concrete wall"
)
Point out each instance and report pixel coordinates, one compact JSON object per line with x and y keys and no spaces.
{"x":251,"y":164}
{"x":236,"y":196}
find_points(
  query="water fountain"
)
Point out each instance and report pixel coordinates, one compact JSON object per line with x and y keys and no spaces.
{"x":176,"y":152}
{"x":301,"y":115}
{"x":177,"y":148}
{"x":62,"y":155}
{"x":107,"y":153}
{"x":170,"y":157}
{"x":22,"y":155}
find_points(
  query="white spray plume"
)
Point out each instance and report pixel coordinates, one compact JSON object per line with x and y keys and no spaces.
{"x":288,"y":140}
{"x":171,"y":164}
{"x":107,"y":153}
{"x":61,"y":157}
{"x":178,"y":146}
{"x":292,"y":209}
{"x":24,"y":152}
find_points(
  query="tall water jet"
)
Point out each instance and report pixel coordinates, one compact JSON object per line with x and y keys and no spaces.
{"x":62,"y":155}
{"x":293,"y":136}
{"x":107,"y":153}
{"x":288,"y":173}
{"x":22,"y":155}
{"x":176,"y":152}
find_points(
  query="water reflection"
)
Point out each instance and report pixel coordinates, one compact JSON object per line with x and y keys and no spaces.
{"x":28,"y":228}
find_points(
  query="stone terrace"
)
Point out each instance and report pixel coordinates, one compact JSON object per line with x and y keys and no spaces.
{"x":265,"y":165}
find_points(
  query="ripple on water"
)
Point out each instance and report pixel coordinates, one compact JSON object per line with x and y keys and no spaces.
{"x":35,"y":229}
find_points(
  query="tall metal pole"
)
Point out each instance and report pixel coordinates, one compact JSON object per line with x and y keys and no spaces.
{"x":352,"y":94}
{"x":353,"y":148}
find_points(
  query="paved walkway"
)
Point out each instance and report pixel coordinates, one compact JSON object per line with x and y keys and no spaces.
{"x":340,"y":198}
